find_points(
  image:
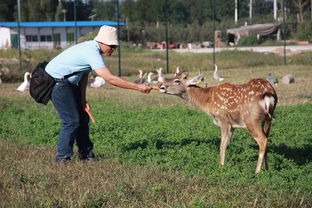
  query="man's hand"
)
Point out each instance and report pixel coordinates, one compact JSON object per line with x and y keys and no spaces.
{"x":87,"y":106}
{"x":84,"y":104}
{"x":144,"y":88}
{"x":87,"y":109}
{"x":119,"y":82}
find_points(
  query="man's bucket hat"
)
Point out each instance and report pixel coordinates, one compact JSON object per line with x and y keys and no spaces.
{"x":107,"y":35}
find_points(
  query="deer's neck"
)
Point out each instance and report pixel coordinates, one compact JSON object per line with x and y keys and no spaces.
{"x":198,"y":96}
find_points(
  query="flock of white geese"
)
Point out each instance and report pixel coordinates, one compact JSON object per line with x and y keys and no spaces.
{"x":147,"y":78}
{"x":144,"y":78}
{"x":24,"y":86}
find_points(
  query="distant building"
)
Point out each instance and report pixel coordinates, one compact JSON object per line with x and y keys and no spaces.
{"x":48,"y":35}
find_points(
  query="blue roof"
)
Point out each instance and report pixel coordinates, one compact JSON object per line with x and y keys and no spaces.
{"x":62,"y":24}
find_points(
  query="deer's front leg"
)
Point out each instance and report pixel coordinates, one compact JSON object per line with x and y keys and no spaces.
{"x":226,"y":133}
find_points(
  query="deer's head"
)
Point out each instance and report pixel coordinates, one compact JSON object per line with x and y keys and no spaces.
{"x":179,"y":84}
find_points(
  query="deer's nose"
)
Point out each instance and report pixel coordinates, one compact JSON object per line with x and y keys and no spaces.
{"x":162,"y":89}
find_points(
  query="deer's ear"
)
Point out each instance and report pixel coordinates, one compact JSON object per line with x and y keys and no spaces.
{"x":184,"y":75}
{"x":195,"y":80}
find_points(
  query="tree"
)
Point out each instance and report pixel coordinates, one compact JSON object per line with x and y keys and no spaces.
{"x":179,"y":13}
{"x":32,"y":10}
{"x":128,"y":9}
{"x":48,"y":8}
{"x":58,"y":12}
{"x":104,"y":10}
{"x":300,"y":5}
{"x":7,"y":10}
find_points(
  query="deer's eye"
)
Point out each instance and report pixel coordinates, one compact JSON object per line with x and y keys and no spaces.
{"x":176,"y":81}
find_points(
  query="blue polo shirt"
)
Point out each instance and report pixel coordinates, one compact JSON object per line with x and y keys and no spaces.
{"x":82,"y":57}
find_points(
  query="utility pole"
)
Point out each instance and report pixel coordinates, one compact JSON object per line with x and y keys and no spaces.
{"x":250,"y":9}
{"x":275,"y":9}
{"x":64,"y":14}
{"x":75,"y":19}
{"x":236,"y":13}
{"x":284,"y":30}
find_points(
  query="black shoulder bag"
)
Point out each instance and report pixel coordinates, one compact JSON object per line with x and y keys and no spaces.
{"x":41,"y":83}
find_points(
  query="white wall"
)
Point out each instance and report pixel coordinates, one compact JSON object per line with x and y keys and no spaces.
{"x":5,"y":38}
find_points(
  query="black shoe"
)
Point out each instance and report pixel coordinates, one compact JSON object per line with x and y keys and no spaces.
{"x":90,"y":157}
{"x":62,"y":161}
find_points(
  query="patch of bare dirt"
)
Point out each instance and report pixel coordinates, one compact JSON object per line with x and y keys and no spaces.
{"x":289,"y":52}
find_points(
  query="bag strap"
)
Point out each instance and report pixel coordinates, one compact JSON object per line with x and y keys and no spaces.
{"x":69,"y":75}
{"x":45,"y":63}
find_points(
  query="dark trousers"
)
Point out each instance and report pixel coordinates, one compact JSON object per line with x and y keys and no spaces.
{"x":66,"y":98}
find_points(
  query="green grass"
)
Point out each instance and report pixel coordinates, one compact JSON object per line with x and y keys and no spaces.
{"x":172,"y":140}
{"x":155,"y":150}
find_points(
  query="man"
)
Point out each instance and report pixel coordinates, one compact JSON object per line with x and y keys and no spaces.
{"x":69,"y":93}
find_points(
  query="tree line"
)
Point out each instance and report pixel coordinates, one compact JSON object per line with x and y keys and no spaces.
{"x":189,"y":20}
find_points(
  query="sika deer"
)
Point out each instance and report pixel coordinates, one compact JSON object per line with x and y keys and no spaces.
{"x":250,"y":105}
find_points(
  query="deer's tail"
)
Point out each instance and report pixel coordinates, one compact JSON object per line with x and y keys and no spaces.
{"x":268,"y":103}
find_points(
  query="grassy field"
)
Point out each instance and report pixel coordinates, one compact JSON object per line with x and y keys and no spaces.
{"x":133,"y":59}
{"x":157,"y":151}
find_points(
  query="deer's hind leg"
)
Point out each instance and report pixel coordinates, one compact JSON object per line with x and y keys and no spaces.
{"x":266,"y":130}
{"x":266,"y":127}
{"x":226,"y":133}
{"x":261,"y":139}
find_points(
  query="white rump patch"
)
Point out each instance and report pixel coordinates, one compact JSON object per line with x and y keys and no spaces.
{"x":266,"y":103}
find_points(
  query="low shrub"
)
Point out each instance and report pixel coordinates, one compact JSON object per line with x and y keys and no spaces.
{"x":250,"y":40}
{"x":304,"y":31}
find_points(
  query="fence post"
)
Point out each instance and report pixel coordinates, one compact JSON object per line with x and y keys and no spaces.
{"x":167,"y":51}
{"x":19,"y":33}
{"x":284,"y":30}
{"x":118,"y":33}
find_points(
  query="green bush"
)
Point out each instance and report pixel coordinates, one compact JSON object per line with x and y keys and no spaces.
{"x":250,"y":40}
{"x":88,"y":36}
{"x":304,"y":31}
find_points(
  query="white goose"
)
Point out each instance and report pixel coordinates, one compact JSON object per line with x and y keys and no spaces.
{"x":150,"y":80}
{"x":178,"y":71}
{"x":216,"y":75}
{"x":160,"y":79}
{"x":25,"y":85}
{"x":140,"y":73}
{"x":141,"y":79}
{"x":98,"y":82}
